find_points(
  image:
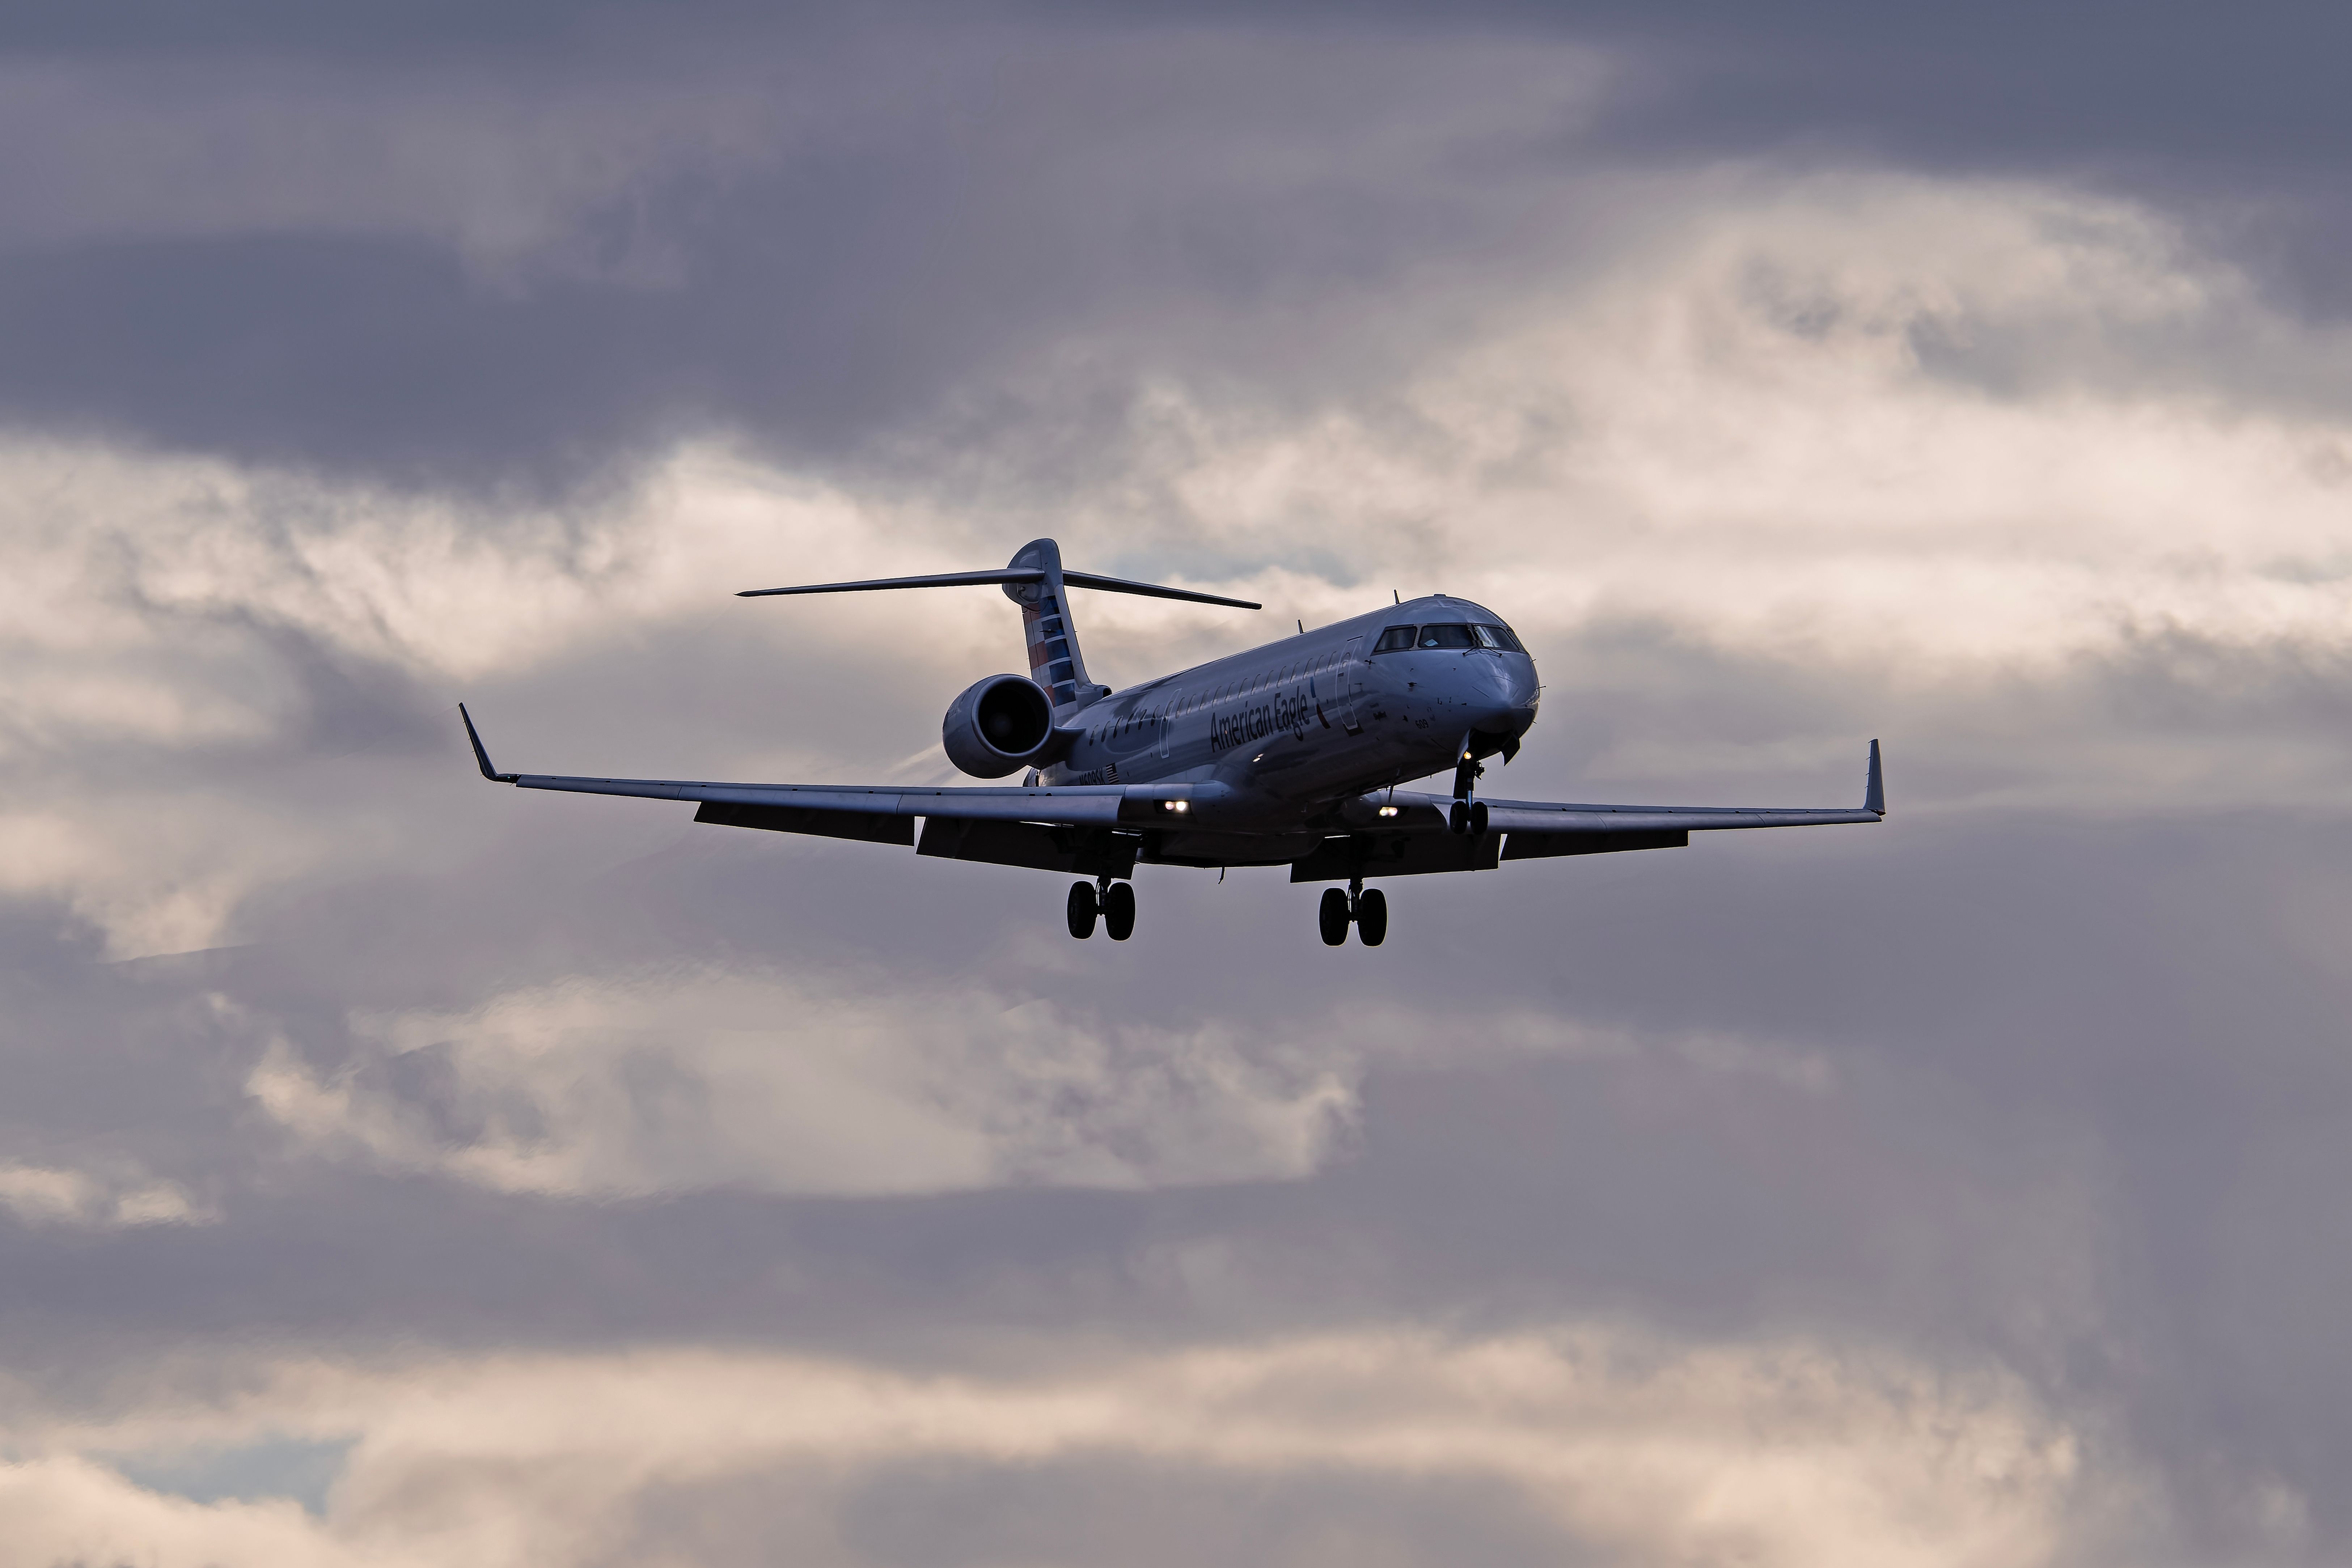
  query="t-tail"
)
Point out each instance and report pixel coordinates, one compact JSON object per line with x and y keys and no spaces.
{"x":1055,"y":661}
{"x":1034,"y":581}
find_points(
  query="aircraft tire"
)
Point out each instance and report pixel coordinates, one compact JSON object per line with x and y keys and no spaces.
{"x":1332,"y":919}
{"x":1372,"y":918}
{"x":1119,"y":911}
{"x":1082,"y":910}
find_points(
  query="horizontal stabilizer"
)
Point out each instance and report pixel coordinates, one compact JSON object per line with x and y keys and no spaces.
{"x":1004,"y":575}
{"x":1153,"y":591}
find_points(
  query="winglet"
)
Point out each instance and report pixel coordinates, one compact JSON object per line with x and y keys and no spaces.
{"x":1874,"y":794}
{"x":483,"y":757}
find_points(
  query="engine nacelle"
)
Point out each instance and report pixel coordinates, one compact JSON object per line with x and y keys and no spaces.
{"x":999,"y":725}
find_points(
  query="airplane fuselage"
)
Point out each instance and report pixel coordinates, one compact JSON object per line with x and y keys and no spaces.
{"x":1289,"y":730}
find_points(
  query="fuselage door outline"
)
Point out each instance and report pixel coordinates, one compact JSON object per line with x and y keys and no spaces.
{"x":1348,"y":685}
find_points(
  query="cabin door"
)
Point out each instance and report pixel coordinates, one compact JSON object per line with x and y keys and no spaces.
{"x":1348,"y":686}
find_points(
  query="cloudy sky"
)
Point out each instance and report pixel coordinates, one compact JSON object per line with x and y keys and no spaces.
{"x":398,"y":1171}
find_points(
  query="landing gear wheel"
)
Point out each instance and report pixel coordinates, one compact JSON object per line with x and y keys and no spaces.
{"x":1119,"y":911}
{"x":1457,"y":820}
{"x":1477,"y":819}
{"x":1333,"y":917}
{"x":1372,"y":918}
{"x":1082,"y":910}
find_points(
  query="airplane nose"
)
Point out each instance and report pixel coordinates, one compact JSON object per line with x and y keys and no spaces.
{"x":1507,"y":704}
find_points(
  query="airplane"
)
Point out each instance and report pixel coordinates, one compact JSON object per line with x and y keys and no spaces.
{"x":1289,"y":754}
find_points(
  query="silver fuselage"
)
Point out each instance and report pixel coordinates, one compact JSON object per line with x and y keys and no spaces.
{"x":1285,"y":738}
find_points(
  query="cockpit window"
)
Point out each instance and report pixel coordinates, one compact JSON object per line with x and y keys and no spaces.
{"x":1395,"y":640}
{"x":1498,"y":637}
{"x":1447,"y":637}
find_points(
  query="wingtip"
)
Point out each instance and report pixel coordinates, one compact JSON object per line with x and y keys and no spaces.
{"x":1873,"y":796}
{"x":481,"y":757}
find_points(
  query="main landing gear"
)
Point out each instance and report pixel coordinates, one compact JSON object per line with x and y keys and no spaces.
{"x":1366,"y":908}
{"x":1114,"y":901}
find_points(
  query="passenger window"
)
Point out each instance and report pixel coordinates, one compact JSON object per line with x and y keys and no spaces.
{"x":1447,"y":637}
{"x":1395,"y":640}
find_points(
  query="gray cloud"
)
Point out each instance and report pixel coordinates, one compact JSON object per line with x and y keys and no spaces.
{"x":420,"y":252}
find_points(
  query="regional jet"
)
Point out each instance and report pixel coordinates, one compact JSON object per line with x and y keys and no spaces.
{"x":1287,"y":754}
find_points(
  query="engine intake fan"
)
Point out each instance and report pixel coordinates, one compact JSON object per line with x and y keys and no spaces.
{"x":1000,"y":725}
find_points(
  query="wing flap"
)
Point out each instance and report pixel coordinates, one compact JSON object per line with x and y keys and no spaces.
{"x":1079,"y":805}
{"x":1656,"y":819}
{"x":1088,"y":853}
{"x":1397,"y":854}
{"x":871,"y":826}
{"x":1525,"y":846}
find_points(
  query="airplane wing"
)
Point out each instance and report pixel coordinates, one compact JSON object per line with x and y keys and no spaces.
{"x":883,"y":812}
{"x":1410,"y":831}
{"x":1407,"y":835}
{"x":1063,"y":826}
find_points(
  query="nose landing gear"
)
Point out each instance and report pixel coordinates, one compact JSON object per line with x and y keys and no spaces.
{"x":1366,"y":909}
{"x":1467,"y":815}
{"x":1113,"y":900}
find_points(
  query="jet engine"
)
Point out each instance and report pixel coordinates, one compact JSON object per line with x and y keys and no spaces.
{"x":1000,"y":725}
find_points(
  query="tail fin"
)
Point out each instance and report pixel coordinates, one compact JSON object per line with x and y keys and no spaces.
{"x":1056,"y":661}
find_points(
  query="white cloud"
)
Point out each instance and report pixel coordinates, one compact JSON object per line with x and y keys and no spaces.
{"x":1742,"y":428}
{"x":772,"y":1080}
{"x":1772,"y":1452}
{"x":68,"y":1509}
{"x":674,"y":1080}
{"x":56,"y":1195}
{"x":144,"y":621}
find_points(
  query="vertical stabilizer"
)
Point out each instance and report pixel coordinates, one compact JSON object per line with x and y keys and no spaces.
{"x":1054,"y":660}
